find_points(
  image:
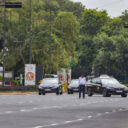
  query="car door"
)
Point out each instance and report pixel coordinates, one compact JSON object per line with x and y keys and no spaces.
{"x":96,"y":85}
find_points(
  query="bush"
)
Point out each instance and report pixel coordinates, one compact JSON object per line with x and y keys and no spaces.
{"x":0,"y":78}
{"x":19,"y":88}
{"x":16,"y":82}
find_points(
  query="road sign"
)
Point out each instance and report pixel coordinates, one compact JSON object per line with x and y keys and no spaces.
{"x":30,"y":74}
{"x":13,"y":5}
{"x":126,"y":26}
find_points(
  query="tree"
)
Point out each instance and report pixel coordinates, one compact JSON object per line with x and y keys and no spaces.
{"x":105,"y":51}
{"x":124,"y":17}
{"x":86,"y":51}
{"x":92,"y":20}
{"x":112,"y":54}
{"x":112,"y":27}
{"x":67,"y":29}
{"x":76,"y":7}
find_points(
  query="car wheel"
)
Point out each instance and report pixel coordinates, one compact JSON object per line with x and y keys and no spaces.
{"x":43,"y":93}
{"x":69,"y":92}
{"x":105,"y":93}
{"x":108,"y":95}
{"x":61,"y":92}
{"x":90,"y":92}
{"x":124,"y":95}
{"x":57,"y":91}
{"x":39,"y":93}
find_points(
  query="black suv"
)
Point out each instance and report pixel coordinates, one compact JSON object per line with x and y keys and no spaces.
{"x":107,"y":86}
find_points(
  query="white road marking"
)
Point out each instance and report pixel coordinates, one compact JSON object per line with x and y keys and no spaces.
{"x":35,"y":108}
{"x":54,"y":124}
{"x":80,"y":119}
{"x":106,"y":112}
{"x":89,"y":116}
{"x":68,"y":122}
{"x":24,"y":110}
{"x":38,"y":127}
{"x":9,"y":112}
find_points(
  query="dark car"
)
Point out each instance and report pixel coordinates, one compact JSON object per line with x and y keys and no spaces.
{"x":73,"y":86}
{"x":106,"y":86}
{"x":50,"y":85}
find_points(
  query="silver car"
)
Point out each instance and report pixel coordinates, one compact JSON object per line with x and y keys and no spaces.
{"x":73,"y":86}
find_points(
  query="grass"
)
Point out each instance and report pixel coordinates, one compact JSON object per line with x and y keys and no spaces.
{"x":126,"y":85}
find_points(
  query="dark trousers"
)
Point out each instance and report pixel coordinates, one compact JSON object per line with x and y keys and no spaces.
{"x":82,"y":90}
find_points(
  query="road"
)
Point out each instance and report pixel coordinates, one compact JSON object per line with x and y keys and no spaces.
{"x":66,"y":111}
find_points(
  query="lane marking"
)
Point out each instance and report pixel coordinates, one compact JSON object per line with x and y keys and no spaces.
{"x":107,"y":112}
{"x":9,"y":112}
{"x":54,"y":124}
{"x":80,"y":119}
{"x":120,"y":109}
{"x":25,"y":110}
{"x":89,"y":116}
{"x":38,"y":127}
{"x":68,"y":122}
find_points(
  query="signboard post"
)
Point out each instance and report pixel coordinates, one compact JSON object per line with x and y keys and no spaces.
{"x":64,"y":76}
{"x":30,"y":74}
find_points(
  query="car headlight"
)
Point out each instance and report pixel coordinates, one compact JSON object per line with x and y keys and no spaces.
{"x":40,"y":87}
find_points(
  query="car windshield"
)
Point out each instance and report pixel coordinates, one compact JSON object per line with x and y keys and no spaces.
{"x":74,"y":82}
{"x":109,"y":81}
{"x":49,"y":81}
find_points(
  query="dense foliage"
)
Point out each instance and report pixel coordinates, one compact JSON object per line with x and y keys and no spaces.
{"x":84,"y":37}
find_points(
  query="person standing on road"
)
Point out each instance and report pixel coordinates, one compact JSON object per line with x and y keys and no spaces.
{"x":82,"y":83}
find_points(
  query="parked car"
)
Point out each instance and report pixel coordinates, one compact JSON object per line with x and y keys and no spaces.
{"x":73,"y":86}
{"x":106,"y":86}
{"x":50,"y":85}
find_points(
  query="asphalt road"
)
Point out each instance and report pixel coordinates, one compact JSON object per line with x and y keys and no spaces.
{"x":66,"y":111}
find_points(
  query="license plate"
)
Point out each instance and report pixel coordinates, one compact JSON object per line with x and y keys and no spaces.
{"x":118,"y":91}
{"x":47,"y":89}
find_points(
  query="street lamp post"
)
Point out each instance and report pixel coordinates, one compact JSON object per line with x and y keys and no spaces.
{"x":3,"y":74}
{"x":125,"y":26}
{"x":50,"y":47}
{"x":7,"y":5}
{"x":30,"y":36}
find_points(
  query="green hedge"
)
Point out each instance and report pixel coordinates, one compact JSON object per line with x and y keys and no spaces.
{"x":19,"y":88}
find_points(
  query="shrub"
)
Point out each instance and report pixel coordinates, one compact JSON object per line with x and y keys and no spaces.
{"x":0,"y":78}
